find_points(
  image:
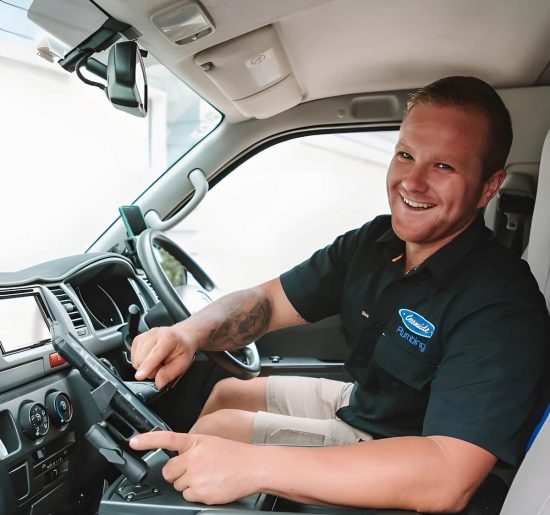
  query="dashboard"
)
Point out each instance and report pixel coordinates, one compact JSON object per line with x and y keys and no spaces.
{"x":45,"y":405}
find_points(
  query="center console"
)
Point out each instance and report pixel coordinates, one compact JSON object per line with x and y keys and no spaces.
{"x":37,"y":447}
{"x":165,"y":500}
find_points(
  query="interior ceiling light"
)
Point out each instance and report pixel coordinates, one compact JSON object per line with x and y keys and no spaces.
{"x":184,"y":22}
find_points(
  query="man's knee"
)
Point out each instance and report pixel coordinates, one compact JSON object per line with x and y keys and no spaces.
{"x":227,"y":423}
{"x":225,"y":391}
{"x":232,"y":393}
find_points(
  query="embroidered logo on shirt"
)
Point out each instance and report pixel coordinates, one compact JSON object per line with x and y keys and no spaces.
{"x":408,"y":337}
{"x":416,"y":323}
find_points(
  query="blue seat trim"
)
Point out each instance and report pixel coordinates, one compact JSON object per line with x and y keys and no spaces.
{"x":538,"y":427}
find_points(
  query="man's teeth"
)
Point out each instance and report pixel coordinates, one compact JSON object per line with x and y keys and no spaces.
{"x":412,"y":203}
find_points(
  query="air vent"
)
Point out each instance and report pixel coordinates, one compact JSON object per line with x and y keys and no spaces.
{"x":143,"y":276}
{"x":70,"y":308}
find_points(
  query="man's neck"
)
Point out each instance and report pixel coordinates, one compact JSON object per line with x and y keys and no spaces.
{"x":417,"y":253}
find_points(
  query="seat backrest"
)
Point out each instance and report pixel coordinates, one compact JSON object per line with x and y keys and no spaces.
{"x":538,"y":253}
{"x":530,"y":490}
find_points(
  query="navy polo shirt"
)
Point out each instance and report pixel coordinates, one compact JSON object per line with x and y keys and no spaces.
{"x":456,"y":347}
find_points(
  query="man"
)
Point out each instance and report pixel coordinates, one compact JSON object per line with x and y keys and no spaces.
{"x":450,"y":339}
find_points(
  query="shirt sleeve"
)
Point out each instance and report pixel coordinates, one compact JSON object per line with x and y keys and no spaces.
{"x":489,"y":381}
{"x":314,"y":287}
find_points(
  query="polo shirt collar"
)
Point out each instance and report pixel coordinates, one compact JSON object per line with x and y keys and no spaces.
{"x":448,"y":260}
{"x":391,"y":243}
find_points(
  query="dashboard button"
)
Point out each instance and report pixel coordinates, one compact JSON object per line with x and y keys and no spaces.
{"x":56,"y":360}
{"x":33,"y":420}
{"x":51,"y":475}
{"x":59,"y":407}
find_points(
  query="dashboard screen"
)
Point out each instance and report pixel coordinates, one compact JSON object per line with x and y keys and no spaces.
{"x":22,"y":323}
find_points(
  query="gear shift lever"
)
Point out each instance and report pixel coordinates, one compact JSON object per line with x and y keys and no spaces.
{"x":132,"y":323}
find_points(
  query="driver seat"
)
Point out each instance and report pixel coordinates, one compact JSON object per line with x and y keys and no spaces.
{"x":530,"y":490}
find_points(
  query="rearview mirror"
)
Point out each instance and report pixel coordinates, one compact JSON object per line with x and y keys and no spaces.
{"x":126,"y":78}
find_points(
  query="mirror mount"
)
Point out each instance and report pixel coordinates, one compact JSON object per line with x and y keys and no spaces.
{"x":109,"y":33}
{"x":126,"y":86}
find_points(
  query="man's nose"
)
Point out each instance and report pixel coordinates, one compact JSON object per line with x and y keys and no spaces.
{"x":416,"y":179}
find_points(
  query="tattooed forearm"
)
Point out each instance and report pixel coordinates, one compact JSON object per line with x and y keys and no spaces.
{"x":241,"y":325}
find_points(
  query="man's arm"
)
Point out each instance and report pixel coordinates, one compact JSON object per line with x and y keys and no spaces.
{"x":230,"y":322}
{"x":427,"y":474}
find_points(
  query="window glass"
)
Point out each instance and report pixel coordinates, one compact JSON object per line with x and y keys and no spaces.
{"x":68,"y":158}
{"x":284,"y":203}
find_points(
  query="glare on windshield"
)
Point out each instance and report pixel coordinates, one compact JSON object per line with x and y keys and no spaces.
{"x":68,"y":158}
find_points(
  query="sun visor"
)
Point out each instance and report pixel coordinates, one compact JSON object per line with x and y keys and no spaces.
{"x":70,"y":21}
{"x":253,"y":71}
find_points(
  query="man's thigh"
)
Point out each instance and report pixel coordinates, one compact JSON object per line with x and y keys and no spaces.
{"x":275,"y":429}
{"x":308,"y":397}
{"x":302,"y":411}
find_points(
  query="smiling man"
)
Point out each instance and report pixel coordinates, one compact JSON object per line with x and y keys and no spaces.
{"x":448,"y":329}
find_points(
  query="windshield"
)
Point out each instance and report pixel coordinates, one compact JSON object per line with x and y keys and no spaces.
{"x":68,"y":158}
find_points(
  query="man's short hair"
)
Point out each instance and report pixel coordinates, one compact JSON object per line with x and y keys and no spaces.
{"x":475,"y":94}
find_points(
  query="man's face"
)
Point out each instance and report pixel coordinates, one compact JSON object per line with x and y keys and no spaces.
{"x":434,"y":181}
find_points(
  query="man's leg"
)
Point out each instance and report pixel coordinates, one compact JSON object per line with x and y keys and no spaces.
{"x":233,"y":424}
{"x":236,"y":394}
{"x":230,"y":408}
{"x":275,"y":429}
{"x":296,"y":396}
{"x":302,"y":411}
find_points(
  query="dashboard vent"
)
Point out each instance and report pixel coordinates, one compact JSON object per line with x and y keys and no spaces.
{"x":70,"y":308}
{"x":143,"y":276}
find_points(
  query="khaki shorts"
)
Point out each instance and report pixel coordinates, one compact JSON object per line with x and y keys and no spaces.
{"x":302,"y":411}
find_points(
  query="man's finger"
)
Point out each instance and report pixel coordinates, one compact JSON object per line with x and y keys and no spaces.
{"x":168,"y":372}
{"x":139,"y":349}
{"x":152,"y":362}
{"x":168,"y":440}
{"x":179,"y":482}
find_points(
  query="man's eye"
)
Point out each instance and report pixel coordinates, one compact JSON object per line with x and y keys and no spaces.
{"x":443,"y":166}
{"x":404,"y":155}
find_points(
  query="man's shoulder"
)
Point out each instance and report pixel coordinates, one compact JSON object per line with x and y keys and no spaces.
{"x":378,"y":228}
{"x":495,"y":272}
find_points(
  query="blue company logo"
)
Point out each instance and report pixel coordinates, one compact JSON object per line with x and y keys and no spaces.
{"x":416,"y":323}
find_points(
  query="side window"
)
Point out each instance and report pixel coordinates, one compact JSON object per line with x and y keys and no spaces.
{"x":284,"y":203}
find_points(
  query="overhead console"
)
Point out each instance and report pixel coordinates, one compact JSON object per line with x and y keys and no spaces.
{"x":253,"y":72}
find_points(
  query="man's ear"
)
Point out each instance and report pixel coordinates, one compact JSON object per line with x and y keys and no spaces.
{"x":490,"y":187}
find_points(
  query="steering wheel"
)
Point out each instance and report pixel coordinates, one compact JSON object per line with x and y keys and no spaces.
{"x":191,"y":299}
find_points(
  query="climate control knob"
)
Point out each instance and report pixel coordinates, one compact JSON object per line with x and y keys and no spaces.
{"x":33,"y":420}
{"x":59,"y":408}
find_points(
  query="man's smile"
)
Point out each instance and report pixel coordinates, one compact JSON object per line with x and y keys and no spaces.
{"x":412,"y":203}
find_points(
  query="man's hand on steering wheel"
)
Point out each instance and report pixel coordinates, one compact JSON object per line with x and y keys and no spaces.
{"x":180,"y":305}
{"x":162,"y":353}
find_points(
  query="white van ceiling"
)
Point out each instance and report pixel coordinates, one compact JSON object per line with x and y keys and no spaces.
{"x":336,"y":47}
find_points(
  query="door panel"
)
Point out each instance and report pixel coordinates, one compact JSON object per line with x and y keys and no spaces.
{"x":316,"y":350}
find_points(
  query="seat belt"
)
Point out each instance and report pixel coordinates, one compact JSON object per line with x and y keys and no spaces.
{"x":516,"y":201}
